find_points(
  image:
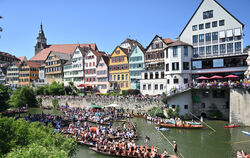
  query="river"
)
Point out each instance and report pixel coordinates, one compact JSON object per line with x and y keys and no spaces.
{"x":193,"y":143}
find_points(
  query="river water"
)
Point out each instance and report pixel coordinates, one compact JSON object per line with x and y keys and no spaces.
{"x":192,"y":143}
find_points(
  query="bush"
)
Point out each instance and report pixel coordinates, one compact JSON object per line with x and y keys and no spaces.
{"x":55,"y":102}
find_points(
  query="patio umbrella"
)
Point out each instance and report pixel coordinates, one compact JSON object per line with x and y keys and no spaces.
{"x":202,"y":78}
{"x":112,"y":105}
{"x":84,"y":85}
{"x":94,"y":106}
{"x":216,"y":77}
{"x":231,"y":76}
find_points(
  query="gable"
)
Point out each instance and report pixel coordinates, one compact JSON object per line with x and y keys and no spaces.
{"x":219,"y":13}
{"x":136,"y":51}
{"x":158,"y":42}
{"x":118,"y":52}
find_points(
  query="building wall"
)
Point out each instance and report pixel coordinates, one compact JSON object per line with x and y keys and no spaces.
{"x":102,"y":76}
{"x":218,"y":14}
{"x":67,"y":74}
{"x":13,"y":75}
{"x":181,"y":74}
{"x":183,"y":100}
{"x":2,"y":77}
{"x":116,"y":75}
{"x":54,"y":71}
{"x":204,"y":99}
{"x":90,"y":68}
{"x":153,"y":85}
{"x":78,"y":67}
{"x":136,"y":66}
{"x":239,"y":106}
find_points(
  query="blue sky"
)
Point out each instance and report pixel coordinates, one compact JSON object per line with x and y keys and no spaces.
{"x":104,"y":22}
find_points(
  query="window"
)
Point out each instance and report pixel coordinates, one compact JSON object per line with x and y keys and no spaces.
{"x":208,"y":14}
{"x":222,"y":48}
{"x":201,"y":26}
{"x":185,"y":65}
{"x":237,"y":46}
{"x":126,"y":77}
{"x":160,"y":45}
{"x":161,"y":86}
{"x":166,"y":53}
{"x":144,"y":87}
{"x":214,"y":24}
{"x":201,"y":38}
{"x":195,"y":39}
{"x":215,"y":36}
{"x":175,"y":52}
{"x":202,"y":50}
{"x":156,"y":75}
{"x":218,"y":63}
{"x":208,"y":50}
{"x":215,"y":49}
{"x":167,"y":67}
{"x":114,"y":77}
{"x":145,"y":75}
{"x":162,"y":74}
{"x":185,"y":80}
{"x":149,"y":87}
{"x":122,"y":76}
{"x":176,"y":81}
{"x":196,"y":65}
{"x":185,"y":51}
{"x":185,"y":106}
{"x":194,"y":27}
{"x":207,"y":25}
{"x":195,"y":52}
{"x":208,"y":37}
{"x":156,"y":86}
{"x":222,"y":22}
{"x":230,"y":47}
{"x":151,"y":75}
{"x":118,"y":77}
{"x":175,"y":66}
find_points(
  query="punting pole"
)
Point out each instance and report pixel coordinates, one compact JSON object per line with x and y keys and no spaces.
{"x":241,"y":142}
{"x":168,"y":141}
{"x":203,"y":122}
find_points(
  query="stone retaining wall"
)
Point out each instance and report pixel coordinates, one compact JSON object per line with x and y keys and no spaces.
{"x":83,"y":102}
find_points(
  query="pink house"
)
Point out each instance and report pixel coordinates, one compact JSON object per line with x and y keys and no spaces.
{"x":102,"y":74}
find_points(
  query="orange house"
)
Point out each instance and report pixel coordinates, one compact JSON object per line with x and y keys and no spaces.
{"x":28,"y":72}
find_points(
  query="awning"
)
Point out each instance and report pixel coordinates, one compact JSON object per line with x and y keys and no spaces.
{"x":202,"y":78}
{"x":231,"y":76}
{"x":216,"y":77}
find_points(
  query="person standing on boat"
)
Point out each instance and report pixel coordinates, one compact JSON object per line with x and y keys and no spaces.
{"x":175,"y":148}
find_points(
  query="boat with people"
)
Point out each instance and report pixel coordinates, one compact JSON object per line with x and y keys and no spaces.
{"x":232,"y":126}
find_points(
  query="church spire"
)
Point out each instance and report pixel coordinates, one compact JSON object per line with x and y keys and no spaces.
{"x":41,"y":41}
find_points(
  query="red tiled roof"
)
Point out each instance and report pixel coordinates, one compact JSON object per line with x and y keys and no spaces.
{"x":63,"y":48}
{"x":168,"y":40}
{"x":33,"y":64}
{"x":22,"y":58}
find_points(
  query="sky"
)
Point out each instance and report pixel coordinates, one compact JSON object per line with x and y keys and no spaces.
{"x":104,"y":22}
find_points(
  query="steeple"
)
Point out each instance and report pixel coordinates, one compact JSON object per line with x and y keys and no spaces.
{"x":41,"y":41}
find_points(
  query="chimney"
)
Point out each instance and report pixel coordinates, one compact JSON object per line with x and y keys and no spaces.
{"x":177,"y":38}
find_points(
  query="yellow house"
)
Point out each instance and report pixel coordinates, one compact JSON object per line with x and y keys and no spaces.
{"x":119,"y":69}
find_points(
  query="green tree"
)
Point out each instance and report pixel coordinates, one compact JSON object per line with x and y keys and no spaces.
{"x":40,"y":90}
{"x":22,"y":97}
{"x":56,"y":89}
{"x":55,"y":102}
{"x":21,"y":139}
{"x":4,"y":97}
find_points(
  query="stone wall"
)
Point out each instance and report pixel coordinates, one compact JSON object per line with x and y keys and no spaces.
{"x":240,"y":106}
{"x":131,"y":103}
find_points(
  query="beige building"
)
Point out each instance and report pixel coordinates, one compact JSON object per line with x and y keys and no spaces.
{"x":54,"y":66}
{"x":13,"y":74}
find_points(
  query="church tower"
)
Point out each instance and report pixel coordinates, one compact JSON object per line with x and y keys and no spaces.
{"x":41,"y":41}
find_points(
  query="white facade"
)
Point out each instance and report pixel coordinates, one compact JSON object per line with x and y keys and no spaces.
{"x":2,"y":76}
{"x":74,"y":69}
{"x":218,"y":21}
{"x":153,"y":83}
{"x":90,"y":68}
{"x":178,"y":65}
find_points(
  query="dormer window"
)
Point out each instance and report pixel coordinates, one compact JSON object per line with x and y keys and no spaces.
{"x":208,"y":14}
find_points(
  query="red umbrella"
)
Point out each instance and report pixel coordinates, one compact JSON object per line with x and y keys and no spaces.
{"x":202,"y":78}
{"x":231,"y":76}
{"x":216,"y":77}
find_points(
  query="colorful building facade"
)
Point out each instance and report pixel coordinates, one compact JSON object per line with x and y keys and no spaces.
{"x":102,"y":74}
{"x":136,"y":66}
{"x":119,"y":69}
{"x":54,"y":66}
{"x":13,"y":74}
{"x":28,"y":72}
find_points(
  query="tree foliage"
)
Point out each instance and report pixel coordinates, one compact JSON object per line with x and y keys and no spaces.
{"x":22,"y":97}
{"x":4,"y":97}
{"x":53,"y":89}
{"x":21,"y":139}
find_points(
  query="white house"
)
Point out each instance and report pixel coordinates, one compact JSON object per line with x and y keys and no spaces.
{"x":178,"y":65}
{"x":217,"y":39}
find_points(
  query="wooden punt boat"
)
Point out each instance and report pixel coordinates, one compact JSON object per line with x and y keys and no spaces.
{"x":120,"y":120}
{"x":138,"y":115}
{"x":180,"y":126}
{"x":87,"y":143}
{"x":104,"y":123}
